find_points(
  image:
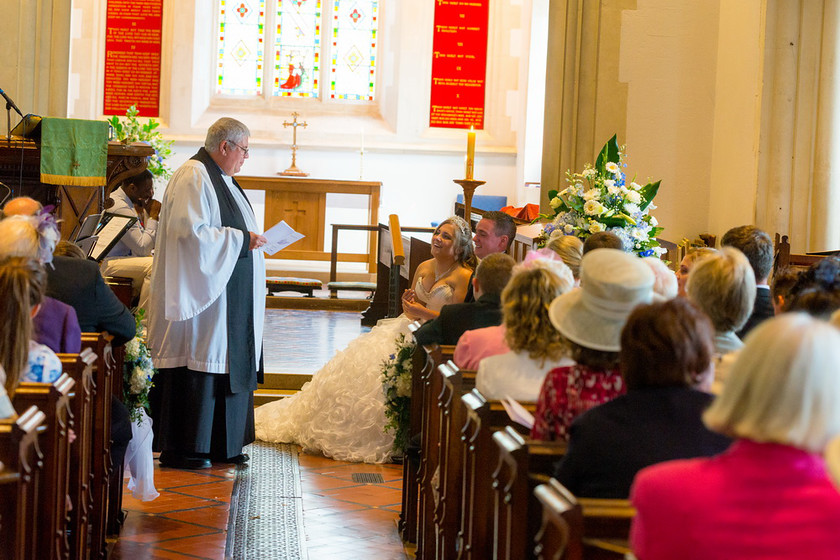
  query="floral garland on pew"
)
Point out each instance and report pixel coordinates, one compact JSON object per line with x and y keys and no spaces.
{"x":396,"y":384}
{"x":138,"y":372}
{"x":599,"y":199}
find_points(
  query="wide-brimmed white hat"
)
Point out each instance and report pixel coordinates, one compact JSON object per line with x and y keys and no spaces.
{"x":612,"y":283}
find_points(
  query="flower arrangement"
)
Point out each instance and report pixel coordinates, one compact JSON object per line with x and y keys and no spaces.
{"x":131,"y":130}
{"x":599,"y":199}
{"x":138,"y":372}
{"x":396,"y":384}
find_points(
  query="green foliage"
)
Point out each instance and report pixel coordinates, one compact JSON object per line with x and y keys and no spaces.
{"x":396,"y":384}
{"x":132,"y":130}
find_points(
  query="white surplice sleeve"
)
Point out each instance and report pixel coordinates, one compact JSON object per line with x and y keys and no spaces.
{"x":199,"y":254}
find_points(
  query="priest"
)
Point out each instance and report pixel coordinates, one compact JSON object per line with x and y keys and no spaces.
{"x":207,"y":308}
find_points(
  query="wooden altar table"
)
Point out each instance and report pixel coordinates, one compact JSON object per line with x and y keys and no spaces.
{"x":302,"y":203}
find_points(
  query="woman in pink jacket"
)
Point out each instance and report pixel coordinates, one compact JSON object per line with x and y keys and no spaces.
{"x":768,"y":496}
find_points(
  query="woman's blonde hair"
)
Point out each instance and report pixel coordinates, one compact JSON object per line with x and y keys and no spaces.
{"x":722,"y":285}
{"x":783,"y":387}
{"x":22,"y":283}
{"x":525,"y":303}
{"x":570,"y":250}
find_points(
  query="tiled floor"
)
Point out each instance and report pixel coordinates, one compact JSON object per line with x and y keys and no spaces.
{"x":341,"y":519}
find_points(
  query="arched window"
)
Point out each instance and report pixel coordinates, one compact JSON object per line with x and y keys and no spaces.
{"x":293,"y":64}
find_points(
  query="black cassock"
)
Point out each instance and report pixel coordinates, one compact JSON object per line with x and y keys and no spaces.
{"x":195,"y":412}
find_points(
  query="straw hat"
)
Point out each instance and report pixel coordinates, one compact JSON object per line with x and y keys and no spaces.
{"x":612,"y":283}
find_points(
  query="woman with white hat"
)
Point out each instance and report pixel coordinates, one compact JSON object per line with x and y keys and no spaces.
{"x":590,"y":319}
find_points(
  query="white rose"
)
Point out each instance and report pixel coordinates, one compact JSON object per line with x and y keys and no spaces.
{"x":653,"y":221}
{"x":592,"y":194}
{"x":612,"y":167}
{"x":609,"y":183}
{"x":631,"y":208}
{"x":635,"y":186}
{"x":555,"y":202}
{"x":404,"y":386}
{"x":634,"y":197}
{"x":593,"y":208}
{"x":595,"y":227}
{"x":613,"y":190}
{"x":132,"y":348}
{"x":568,"y":228}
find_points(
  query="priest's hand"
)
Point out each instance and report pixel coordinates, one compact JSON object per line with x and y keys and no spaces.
{"x":257,"y":241}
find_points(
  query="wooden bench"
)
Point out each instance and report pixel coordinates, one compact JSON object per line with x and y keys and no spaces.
{"x":53,"y":400}
{"x":21,"y":458}
{"x":523,"y":465}
{"x":80,"y":368}
{"x":306,"y":286}
{"x":407,"y":524}
{"x":560,"y":536}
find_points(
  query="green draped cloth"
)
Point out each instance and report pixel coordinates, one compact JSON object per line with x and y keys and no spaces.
{"x":74,"y":152}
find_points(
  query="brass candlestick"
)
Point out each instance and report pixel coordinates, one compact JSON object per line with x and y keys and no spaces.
{"x":469,"y":187}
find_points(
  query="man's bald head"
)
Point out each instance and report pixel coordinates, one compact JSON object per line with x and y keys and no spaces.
{"x":21,"y":206}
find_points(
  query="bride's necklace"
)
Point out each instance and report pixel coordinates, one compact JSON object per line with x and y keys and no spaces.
{"x":447,"y":271}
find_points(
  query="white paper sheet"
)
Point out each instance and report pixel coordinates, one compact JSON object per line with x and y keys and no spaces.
{"x":280,"y":236}
{"x":517,"y":413}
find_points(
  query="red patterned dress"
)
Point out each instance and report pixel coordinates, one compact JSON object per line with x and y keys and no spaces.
{"x":568,"y":392}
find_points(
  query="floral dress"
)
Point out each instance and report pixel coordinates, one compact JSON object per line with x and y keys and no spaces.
{"x":568,"y":392}
{"x":43,"y":365}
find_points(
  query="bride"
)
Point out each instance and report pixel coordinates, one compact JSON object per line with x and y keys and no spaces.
{"x":341,"y":412}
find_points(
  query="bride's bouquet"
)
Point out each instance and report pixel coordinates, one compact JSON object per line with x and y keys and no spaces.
{"x":600,"y":199}
{"x":396,"y":384}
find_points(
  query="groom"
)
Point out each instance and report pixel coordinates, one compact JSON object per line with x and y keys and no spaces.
{"x":494,"y":233}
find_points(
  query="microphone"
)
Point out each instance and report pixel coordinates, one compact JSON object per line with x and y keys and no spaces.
{"x":10,"y":102}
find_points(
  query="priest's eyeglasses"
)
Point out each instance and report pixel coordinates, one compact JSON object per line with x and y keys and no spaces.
{"x":244,"y":149}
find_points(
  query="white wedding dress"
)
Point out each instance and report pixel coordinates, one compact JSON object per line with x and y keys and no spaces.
{"x":341,"y":412}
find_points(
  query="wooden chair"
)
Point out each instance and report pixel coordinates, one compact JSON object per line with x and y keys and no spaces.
{"x":782,"y":257}
{"x":80,"y":368}
{"x":523,"y":464}
{"x":53,"y":399}
{"x":561,"y":528}
{"x":21,"y":457}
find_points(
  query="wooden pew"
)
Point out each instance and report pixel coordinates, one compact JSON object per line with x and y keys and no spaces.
{"x":480,"y":458}
{"x":450,"y":460}
{"x":21,"y":457}
{"x":53,"y":399}
{"x":407,"y":524}
{"x":523,"y":465}
{"x":429,"y":448}
{"x":606,"y":528}
{"x":560,"y":536}
{"x":80,"y":368}
{"x":782,"y":257}
{"x":105,"y":369}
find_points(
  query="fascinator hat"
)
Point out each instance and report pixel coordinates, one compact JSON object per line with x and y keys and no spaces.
{"x":612,"y":284}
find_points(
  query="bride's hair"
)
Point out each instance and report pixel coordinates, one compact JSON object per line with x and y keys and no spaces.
{"x":463,"y":240}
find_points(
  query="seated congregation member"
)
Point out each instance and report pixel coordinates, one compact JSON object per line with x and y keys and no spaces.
{"x":590,"y":318}
{"x":536,"y":347}
{"x":79,"y":284}
{"x":570,"y":250}
{"x":722,"y":285}
{"x":494,"y":233}
{"x":665,"y":281}
{"x":768,"y":495}
{"x":6,"y":408}
{"x":758,"y":248}
{"x":781,"y":285}
{"x":666,"y":355}
{"x":817,"y":290}
{"x":491,"y":277}
{"x":475,"y":345}
{"x":22,"y":283}
{"x":131,"y":257}
{"x":688,"y":262}
{"x":602,"y":240}
{"x":55,"y":325}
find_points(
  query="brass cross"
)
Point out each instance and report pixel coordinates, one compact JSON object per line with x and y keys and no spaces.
{"x":293,"y":170}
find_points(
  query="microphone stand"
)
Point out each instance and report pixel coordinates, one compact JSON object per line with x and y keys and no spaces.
{"x":9,"y":106}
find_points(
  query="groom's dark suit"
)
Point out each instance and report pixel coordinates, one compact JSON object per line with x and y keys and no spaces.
{"x":457,"y":318}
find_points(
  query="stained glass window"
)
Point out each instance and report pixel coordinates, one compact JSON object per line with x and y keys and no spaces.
{"x":241,"y":45}
{"x":297,"y":48}
{"x":353,"y":60}
{"x":292,"y":30}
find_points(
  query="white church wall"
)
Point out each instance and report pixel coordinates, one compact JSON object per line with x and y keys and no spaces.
{"x":415,"y":163}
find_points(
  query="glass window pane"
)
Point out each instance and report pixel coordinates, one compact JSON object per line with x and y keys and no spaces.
{"x":297,"y":47}
{"x":240,"y":56}
{"x":353,"y":60}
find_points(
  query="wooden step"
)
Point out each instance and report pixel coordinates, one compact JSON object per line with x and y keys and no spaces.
{"x":263,"y":396}
{"x":285,"y":381}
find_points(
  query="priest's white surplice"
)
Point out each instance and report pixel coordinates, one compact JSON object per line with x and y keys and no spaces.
{"x":194,"y":259}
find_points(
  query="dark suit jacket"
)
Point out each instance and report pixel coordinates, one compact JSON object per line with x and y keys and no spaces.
{"x":79,"y":284}
{"x":470,"y":297}
{"x":457,"y":318}
{"x":610,"y":443}
{"x":762,"y":310}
